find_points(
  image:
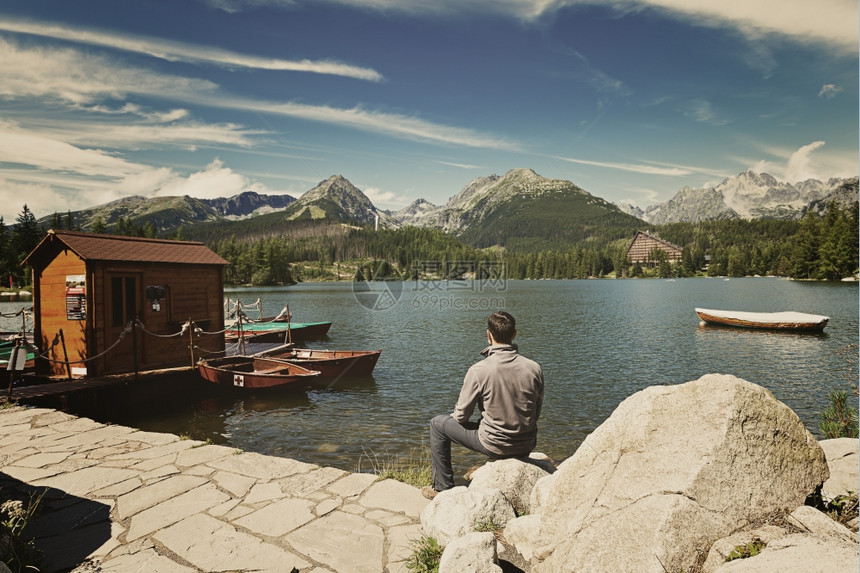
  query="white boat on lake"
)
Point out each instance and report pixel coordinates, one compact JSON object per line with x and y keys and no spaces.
{"x":788,"y":320}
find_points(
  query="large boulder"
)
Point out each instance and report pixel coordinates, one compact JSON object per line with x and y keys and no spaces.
{"x":672,"y":469}
{"x":513,"y":477}
{"x":458,"y":511}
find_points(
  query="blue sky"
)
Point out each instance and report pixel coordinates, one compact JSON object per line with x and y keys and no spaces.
{"x":632,"y":100}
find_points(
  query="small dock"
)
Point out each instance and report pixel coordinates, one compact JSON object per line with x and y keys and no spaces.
{"x":54,"y":387}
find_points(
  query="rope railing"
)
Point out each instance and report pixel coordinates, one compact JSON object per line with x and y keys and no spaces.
{"x":189,"y":328}
{"x":24,"y":311}
{"x":44,"y":356}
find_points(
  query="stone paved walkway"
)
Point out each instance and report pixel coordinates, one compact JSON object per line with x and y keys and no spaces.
{"x":123,"y":500}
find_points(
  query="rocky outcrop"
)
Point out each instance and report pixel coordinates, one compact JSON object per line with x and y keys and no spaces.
{"x":807,"y":541}
{"x":671,"y":470}
{"x":248,"y":204}
{"x":514,"y":478}
{"x":842,"y":461}
{"x":472,"y":553}
{"x":459,"y":511}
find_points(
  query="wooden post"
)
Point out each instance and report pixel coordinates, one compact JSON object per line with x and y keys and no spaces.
{"x":65,"y":355}
{"x":134,"y":349}
{"x":191,"y":340}
{"x":241,"y":333}
{"x":289,"y":330}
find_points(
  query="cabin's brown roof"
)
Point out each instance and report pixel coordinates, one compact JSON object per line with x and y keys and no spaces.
{"x":95,"y":247}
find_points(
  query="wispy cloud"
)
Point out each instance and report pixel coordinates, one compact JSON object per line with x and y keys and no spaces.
{"x":386,"y":199}
{"x":457,"y":165}
{"x":396,"y":125}
{"x":85,"y":81}
{"x":25,"y":147}
{"x":642,"y":168}
{"x":180,"y":52}
{"x":522,"y":9}
{"x":646,"y":195}
{"x":800,"y":165}
{"x":69,"y":76}
{"x":702,"y":111}
{"x":810,"y":161}
{"x":829,"y":91}
{"x":189,"y":134}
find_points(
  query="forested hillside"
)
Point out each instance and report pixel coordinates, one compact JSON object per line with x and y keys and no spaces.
{"x":267,"y":250}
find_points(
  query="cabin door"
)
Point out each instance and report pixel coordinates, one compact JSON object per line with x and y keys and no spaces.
{"x":124,"y":306}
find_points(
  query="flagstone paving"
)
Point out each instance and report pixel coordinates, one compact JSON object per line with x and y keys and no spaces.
{"x":116,"y":499}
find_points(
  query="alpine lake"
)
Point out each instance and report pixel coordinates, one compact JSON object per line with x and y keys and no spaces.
{"x":598,"y":341}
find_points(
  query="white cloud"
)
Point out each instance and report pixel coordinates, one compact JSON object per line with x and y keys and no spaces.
{"x":28,"y":148}
{"x":458,"y":165}
{"x":396,"y":125}
{"x":810,"y":161}
{"x":81,"y":79}
{"x":645,"y":196}
{"x":386,"y":199}
{"x":829,"y":91}
{"x":42,"y":199}
{"x":137,"y":136}
{"x":800,"y":165}
{"x":136,"y":110}
{"x":46,"y":193}
{"x":177,"y":51}
{"x":216,"y":180}
{"x":644,"y":169}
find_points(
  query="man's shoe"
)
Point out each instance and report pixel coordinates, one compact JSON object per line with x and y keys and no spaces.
{"x":428,"y":492}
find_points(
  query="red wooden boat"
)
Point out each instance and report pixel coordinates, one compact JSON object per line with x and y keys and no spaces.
{"x":329,"y":363}
{"x":253,"y":372}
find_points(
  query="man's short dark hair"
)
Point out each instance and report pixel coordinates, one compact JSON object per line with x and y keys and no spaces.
{"x":502,"y":326}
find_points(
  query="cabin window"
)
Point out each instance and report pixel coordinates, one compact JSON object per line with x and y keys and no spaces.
{"x":123,"y":297}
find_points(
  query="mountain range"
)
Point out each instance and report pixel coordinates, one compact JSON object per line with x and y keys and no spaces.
{"x":750,"y":195}
{"x":519,"y":209}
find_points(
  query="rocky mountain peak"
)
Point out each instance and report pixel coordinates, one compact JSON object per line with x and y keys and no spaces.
{"x":336,"y":197}
{"x":749,"y":195}
{"x":248,"y":204}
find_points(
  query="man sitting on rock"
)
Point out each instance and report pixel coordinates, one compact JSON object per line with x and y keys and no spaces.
{"x":508,"y":390}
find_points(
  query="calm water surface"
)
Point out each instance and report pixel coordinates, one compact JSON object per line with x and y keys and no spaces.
{"x":598,"y":342}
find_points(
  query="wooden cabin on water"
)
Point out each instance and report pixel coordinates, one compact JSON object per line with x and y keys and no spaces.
{"x":641,"y":250}
{"x":89,"y":287}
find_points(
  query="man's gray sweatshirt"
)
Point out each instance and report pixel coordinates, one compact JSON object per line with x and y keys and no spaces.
{"x":508,"y":388}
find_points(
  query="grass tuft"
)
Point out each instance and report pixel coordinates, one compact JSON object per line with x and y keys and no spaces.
{"x":425,"y":557}
{"x":413,"y":469}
